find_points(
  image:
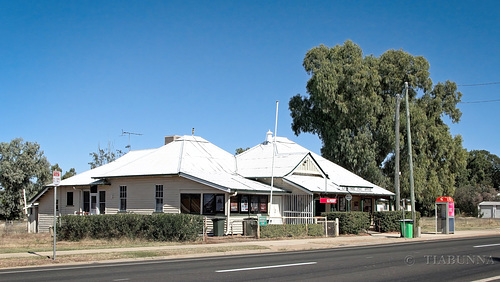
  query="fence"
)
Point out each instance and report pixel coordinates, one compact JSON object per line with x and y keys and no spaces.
{"x":13,"y":226}
{"x":251,"y":226}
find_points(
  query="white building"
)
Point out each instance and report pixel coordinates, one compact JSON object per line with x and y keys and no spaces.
{"x":489,"y":209}
{"x":190,"y":175}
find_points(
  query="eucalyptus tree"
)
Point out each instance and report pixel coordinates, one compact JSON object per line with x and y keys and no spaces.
{"x":351,"y":107}
{"x":104,"y":156}
{"x":22,"y":167}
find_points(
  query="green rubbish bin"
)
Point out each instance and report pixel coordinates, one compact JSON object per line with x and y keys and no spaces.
{"x":218,"y":226}
{"x":406,"y":228}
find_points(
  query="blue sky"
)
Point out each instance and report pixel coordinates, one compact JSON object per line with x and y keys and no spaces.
{"x":73,"y":74}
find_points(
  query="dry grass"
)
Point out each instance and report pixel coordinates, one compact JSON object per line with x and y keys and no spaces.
{"x":428,"y":224}
{"x":64,"y":259}
{"x":15,"y":239}
{"x":27,"y":242}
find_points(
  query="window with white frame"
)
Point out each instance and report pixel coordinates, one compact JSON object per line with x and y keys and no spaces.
{"x":123,"y":198}
{"x":159,"y":198}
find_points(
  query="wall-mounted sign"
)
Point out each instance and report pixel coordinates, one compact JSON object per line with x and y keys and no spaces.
{"x":262,"y":220}
{"x":451,"y":209}
{"x":328,"y":200}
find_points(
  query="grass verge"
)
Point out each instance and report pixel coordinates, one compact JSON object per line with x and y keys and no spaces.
{"x":62,"y":259}
{"x":428,"y":224}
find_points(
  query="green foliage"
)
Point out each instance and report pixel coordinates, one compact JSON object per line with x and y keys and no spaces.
{"x":351,"y":107}
{"x":350,"y":222}
{"x":156,"y":227}
{"x":467,"y":198}
{"x":291,"y":230}
{"x":388,"y":221}
{"x":71,"y":172}
{"x":241,"y":150}
{"x":22,"y":166}
{"x":316,"y":230}
{"x":483,"y":169}
{"x":478,"y":182}
{"x":104,"y":156}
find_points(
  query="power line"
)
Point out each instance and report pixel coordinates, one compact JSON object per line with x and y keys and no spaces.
{"x":476,"y":102}
{"x":479,"y":84}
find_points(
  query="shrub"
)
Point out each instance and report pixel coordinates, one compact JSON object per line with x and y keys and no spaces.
{"x":157,"y":227}
{"x":316,"y":230}
{"x":291,"y":230}
{"x":350,"y":222}
{"x":388,"y":221}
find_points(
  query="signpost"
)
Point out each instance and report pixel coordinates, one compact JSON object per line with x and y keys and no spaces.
{"x":56,"y":180}
{"x":348,"y":197}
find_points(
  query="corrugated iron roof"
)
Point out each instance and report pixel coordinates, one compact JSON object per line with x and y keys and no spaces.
{"x":197,"y":159}
{"x":190,"y":157}
{"x":257,"y":162}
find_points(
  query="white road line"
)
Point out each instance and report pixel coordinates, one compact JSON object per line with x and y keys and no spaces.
{"x":495,"y":278}
{"x":264,"y":267}
{"x":123,"y":279}
{"x":490,"y":245}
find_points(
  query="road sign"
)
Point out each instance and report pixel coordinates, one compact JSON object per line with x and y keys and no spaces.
{"x":348,"y":197}
{"x":56,"y":177}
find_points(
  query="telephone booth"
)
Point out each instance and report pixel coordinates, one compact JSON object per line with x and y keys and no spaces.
{"x":445,"y":215}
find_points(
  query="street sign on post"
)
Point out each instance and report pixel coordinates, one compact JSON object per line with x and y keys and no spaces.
{"x":56,"y":180}
{"x":348,"y":197}
{"x":56,"y":177}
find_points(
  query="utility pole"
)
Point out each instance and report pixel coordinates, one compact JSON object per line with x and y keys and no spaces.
{"x":412,"y":189}
{"x":396,"y":151}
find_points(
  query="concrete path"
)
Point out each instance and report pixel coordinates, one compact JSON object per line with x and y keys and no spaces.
{"x":275,"y":245}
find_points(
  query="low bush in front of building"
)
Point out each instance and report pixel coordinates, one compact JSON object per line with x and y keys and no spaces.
{"x":350,"y":222}
{"x":156,"y":227}
{"x":291,"y":230}
{"x":389,"y":221}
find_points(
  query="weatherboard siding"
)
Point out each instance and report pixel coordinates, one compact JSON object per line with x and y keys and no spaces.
{"x":46,"y":211}
{"x":141,"y":193}
{"x":46,"y":206}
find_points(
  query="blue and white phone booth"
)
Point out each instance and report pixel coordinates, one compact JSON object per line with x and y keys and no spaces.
{"x":445,"y":215}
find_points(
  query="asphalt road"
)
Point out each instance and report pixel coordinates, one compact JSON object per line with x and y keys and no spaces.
{"x":451,"y":260}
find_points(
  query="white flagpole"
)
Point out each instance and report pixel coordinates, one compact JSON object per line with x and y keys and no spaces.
{"x":271,"y":213}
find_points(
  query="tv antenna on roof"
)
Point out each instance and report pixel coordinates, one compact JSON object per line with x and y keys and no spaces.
{"x":129,"y":133}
